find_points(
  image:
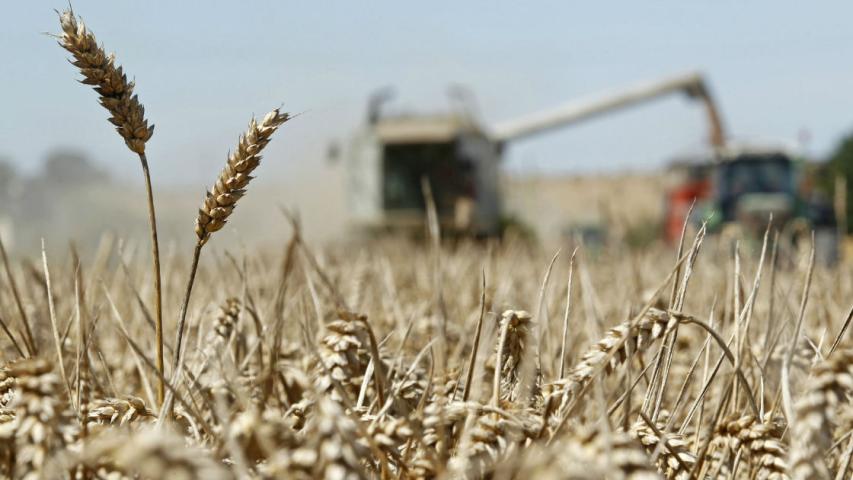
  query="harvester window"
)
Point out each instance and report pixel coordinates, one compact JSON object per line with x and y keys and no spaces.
{"x":405,"y":164}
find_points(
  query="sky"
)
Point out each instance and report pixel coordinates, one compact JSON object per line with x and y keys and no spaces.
{"x":779,"y":69}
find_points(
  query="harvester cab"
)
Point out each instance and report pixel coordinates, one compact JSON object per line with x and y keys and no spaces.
{"x":393,"y":159}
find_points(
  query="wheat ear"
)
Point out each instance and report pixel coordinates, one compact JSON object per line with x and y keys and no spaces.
{"x":115,"y":93}
{"x":617,"y":346}
{"x":220,"y":201}
{"x":761,"y":442}
{"x":99,"y":71}
{"x":811,"y":435}
{"x":674,"y":458}
{"x":235,"y":177}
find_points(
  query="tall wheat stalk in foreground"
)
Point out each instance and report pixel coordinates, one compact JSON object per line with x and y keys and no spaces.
{"x":222,"y":198}
{"x":128,"y":115}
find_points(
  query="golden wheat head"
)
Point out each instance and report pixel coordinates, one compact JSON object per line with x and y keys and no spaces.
{"x":100,"y":71}
{"x":232,"y":181}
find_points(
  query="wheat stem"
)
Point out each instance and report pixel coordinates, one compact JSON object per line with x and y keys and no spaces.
{"x":29,"y":342}
{"x":476,"y":344}
{"x":11,"y":337}
{"x":182,"y":319}
{"x":158,"y":289}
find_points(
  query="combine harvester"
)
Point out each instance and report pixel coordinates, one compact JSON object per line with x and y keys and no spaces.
{"x":388,"y":160}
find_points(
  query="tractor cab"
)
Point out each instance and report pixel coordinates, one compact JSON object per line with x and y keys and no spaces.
{"x":750,"y":186}
{"x":734,"y":185}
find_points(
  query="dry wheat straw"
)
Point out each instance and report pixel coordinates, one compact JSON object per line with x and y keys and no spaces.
{"x":514,"y":346}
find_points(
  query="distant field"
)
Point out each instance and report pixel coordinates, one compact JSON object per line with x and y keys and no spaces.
{"x":548,"y":204}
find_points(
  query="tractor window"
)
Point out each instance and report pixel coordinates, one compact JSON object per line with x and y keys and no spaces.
{"x":757,"y":175}
{"x":405,"y":164}
{"x":754,"y":175}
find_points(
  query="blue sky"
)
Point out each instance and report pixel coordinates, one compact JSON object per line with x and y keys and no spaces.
{"x":778,"y":68}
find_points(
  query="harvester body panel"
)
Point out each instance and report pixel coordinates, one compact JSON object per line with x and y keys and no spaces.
{"x":388,"y":162}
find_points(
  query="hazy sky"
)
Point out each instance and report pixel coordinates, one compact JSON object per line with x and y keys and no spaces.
{"x":204,"y":67}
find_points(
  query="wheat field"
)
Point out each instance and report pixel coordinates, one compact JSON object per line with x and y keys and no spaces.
{"x":397,"y":359}
{"x":402,"y":361}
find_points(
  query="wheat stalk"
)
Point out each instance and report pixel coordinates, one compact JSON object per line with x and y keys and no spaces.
{"x":612,"y":350}
{"x":115,"y":93}
{"x":330,"y":449}
{"x":745,"y":447}
{"x":344,"y":352}
{"x":226,"y":319}
{"x":221,"y":200}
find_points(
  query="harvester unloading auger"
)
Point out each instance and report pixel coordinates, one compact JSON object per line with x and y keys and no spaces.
{"x":692,"y":84}
{"x":390,"y":156}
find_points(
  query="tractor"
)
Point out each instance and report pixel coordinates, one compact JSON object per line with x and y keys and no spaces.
{"x":737,"y":189}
